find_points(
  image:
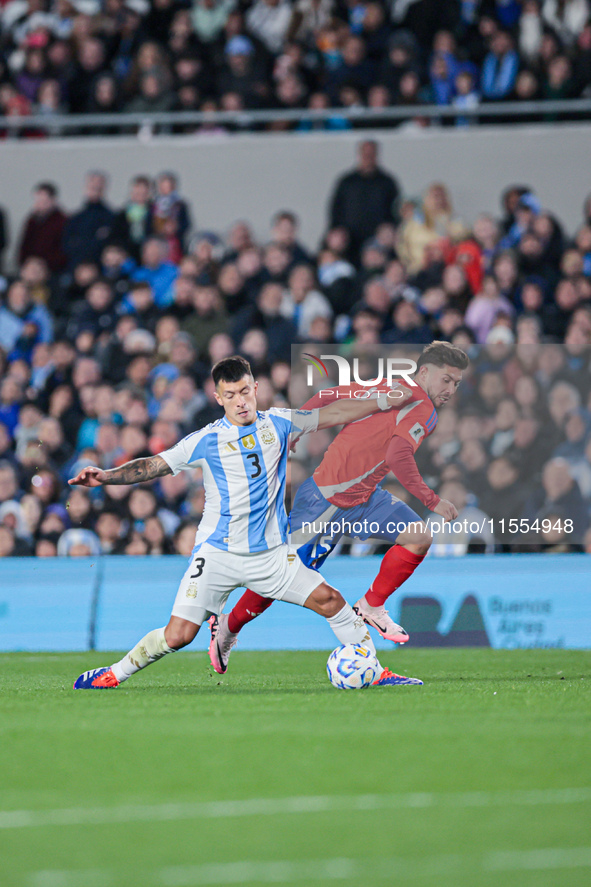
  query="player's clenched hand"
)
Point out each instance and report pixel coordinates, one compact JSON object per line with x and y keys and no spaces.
{"x":446,"y":509}
{"x":398,"y":396}
{"x":89,"y":477}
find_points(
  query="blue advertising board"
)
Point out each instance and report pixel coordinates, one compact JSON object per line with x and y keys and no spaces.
{"x":501,"y":601}
{"x":46,"y":603}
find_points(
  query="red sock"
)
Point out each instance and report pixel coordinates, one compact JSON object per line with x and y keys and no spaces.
{"x":246,"y":609}
{"x":397,"y":565}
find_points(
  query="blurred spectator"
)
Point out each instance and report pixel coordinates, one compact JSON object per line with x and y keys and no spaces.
{"x":408,"y":326}
{"x":266,"y":316}
{"x":302,"y":303}
{"x":268,"y":20}
{"x":22,"y":323}
{"x":43,"y":229}
{"x":209,"y":17}
{"x":154,"y":95}
{"x":3,"y":236}
{"x":363,"y":199}
{"x":208,"y":317}
{"x":500,"y":67}
{"x":307,"y":18}
{"x":79,"y":543}
{"x":472,"y":524}
{"x":104,"y":98}
{"x":156,"y":271}
{"x":91,"y":60}
{"x":87,"y":231}
{"x":133,"y":224}
{"x":171,"y":220}
{"x":7,"y":542}
{"x":466,"y":96}
{"x":96,"y":314}
{"x":559,"y":494}
{"x":566,"y":18}
{"x":484,"y":309}
{"x":434,"y":224}
{"x":355,"y":69}
{"x":284,"y":231}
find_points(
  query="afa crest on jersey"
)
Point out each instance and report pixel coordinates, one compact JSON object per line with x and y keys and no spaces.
{"x":249,"y":442}
{"x":267,"y":436}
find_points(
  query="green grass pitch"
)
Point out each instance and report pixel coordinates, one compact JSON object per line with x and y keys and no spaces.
{"x":268,"y":775}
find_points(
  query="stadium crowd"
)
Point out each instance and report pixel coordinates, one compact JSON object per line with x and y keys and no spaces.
{"x":105,"y":56}
{"x":111,"y":319}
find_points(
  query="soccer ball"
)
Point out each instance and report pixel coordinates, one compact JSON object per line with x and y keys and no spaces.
{"x":352,"y":667}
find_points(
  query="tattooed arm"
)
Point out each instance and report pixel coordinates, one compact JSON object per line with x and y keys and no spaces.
{"x":134,"y":472}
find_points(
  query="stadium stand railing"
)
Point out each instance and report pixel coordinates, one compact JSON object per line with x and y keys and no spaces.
{"x":556,"y":111}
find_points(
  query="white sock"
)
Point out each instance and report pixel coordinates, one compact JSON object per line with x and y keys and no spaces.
{"x":151,"y":648}
{"x":350,"y":628}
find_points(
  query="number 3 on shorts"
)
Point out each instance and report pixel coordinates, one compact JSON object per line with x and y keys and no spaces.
{"x":199,"y":564}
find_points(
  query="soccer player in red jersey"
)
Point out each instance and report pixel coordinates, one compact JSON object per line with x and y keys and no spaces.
{"x":345,"y":491}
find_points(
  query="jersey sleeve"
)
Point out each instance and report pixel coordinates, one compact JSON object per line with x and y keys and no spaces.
{"x":295,"y":422}
{"x":330,"y":395}
{"x":414,"y":424}
{"x":187,"y":453}
{"x":401,"y":461}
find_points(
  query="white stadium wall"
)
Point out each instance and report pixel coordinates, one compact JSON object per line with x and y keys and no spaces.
{"x":251,"y":176}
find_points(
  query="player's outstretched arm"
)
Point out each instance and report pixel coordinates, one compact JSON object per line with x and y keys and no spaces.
{"x":134,"y":472}
{"x":340,"y":412}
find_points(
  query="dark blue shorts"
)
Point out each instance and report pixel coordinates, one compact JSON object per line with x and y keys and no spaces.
{"x":316,"y":525}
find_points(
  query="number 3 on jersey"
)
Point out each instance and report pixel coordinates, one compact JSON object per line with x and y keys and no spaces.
{"x":255,"y":465}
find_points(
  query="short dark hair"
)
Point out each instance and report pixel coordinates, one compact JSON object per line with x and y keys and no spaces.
{"x":167,"y":174}
{"x":442,"y":354}
{"x":230,"y":369}
{"x":138,"y":285}
{"x":285,"y":214}
{"x":48,"y":187}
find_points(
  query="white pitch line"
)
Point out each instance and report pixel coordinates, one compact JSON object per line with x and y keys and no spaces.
{"x":302,"y":804}
{"x":280,"y":872}
{"x":539,"y":860}
{"x":71,"y":878}
{"x":337,"y":869}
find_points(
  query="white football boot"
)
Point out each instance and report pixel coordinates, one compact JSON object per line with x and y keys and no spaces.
{"x":379,"y":618}
{"x":221,"y":642}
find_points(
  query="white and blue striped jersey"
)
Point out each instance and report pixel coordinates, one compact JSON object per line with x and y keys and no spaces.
{"x":244,"y":477}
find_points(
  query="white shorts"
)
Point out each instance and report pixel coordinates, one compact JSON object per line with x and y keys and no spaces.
{"x":212,"y":575}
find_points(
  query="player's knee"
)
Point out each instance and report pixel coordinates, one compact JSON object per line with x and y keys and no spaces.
{"x":421,"y":543}
{"x":333,"y":603}
{"x":327,"y":600}
{"x":180,"y":635}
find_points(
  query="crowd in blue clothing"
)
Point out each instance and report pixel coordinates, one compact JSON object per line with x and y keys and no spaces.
{"x":236,"y":55}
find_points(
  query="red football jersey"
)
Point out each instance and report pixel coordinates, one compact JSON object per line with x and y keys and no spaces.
{"x":355,"y":462}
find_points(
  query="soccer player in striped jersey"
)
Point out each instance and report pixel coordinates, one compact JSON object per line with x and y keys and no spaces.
{"x":242,"y":537}
{"x":345,"y":490}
